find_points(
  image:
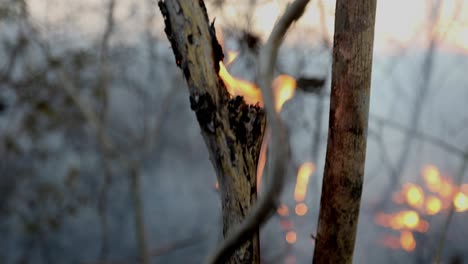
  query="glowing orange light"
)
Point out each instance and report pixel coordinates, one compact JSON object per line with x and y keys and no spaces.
{"x":460,"y":202}
{"x":464,"y":188}
{"x":231,"y":56}
{"x":433,"y":205}
{"x":282,"y":210}
{"x":244,"y":88}
{"x":432,"y":178}
{"x":283,"y":87}
{"x":262,"y":159}
{"x":414,"y":195}
{"x":302,"y":181}
{"x":216,"y":185}
{"x":446,"y":189}
{"x":301,"y":209}
{"x":291,"y":237}
{"x":410,"y":219}
{"x":407,"y":241}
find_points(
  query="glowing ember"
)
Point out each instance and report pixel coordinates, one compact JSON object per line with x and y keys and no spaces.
{"x":302,"y":181}
{"x":291,"y":237}
{"x":407,"y":241}
{"x":464,"y":188}
{"x":301,"y":209}
{"x":432,"y":178}
{"x":460,"y":202}
{"x":410,"y":219}
{"x":262,"y":159}
{"x":282,"y":210}
{"x":231,"y":56}
{"x":433,"y":205}
{"x":283,"y":87}
{"x":249,"y":91}
{"x":446,"y":189}
{"x":414,"y":195}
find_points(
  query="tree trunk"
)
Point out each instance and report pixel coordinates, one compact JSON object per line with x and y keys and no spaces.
{"x":232,"y":130}
{"x":346,"y":149}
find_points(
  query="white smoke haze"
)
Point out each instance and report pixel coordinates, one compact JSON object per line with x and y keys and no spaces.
{"x":52,"y":166}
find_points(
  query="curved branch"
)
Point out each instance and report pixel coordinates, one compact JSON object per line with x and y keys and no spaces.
{"x":279,"y":145}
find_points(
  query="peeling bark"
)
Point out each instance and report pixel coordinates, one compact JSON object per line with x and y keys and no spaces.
{"x":232,"y":130}
{"x":346,"y":148}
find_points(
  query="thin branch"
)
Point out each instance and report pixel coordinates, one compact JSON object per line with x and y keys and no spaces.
{"x":279,"y":145}
{"x":448,"y":220}
{"x":419,"y":135}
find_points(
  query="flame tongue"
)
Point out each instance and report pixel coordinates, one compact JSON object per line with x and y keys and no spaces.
{"x":283,"y":85}
{"x":437,"y":195}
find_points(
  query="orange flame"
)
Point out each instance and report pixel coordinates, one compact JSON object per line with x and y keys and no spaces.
{"x":283,"y":87}
{"x":262,"y":159}
{"x":249,"y":91}
{"x":460,"y":202}
{"x":301,"y":209}
{"x":433,"y":205}
{"x":231,"y":56}
{"x":444,"y":193}
{"x":291,"y":237}
{"x":407,"y":241}
{"x":282,"y":210}
{"x":414,"y":195}
{"x":408,"y":219}
{"x":432,"y":178}
{"x":302,"y":181}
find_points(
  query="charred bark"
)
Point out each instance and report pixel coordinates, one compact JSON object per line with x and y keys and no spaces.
{"x":232,"y":130}
{"x":346,"y":147}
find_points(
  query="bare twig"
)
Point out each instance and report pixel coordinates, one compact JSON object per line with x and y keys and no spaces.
{"x":279,"y":145}
{"x":445,"y":227}
{"x":419,"y":135}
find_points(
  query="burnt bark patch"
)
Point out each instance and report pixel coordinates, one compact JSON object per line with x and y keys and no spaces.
{"x":218,"y":54}
{"x":205,"y":111}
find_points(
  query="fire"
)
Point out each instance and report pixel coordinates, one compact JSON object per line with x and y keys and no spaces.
{"x":408,"y":219}
{"x":249,"y":91}
{"x":301,"y":209}
{"x":407,"y":241}
{"x":262,"y":159}
{"x":460,"y":202}
{"x":302,"y":181}
{"x":444,"y":192}
{"x":291,"y":237}
{"x":283,"y":86}
{"x":432,"y":178}
{"x":414,"y":195}
{"x":433,"y":205}
{"x":231,"y":56}
{"x":282,"y":210}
